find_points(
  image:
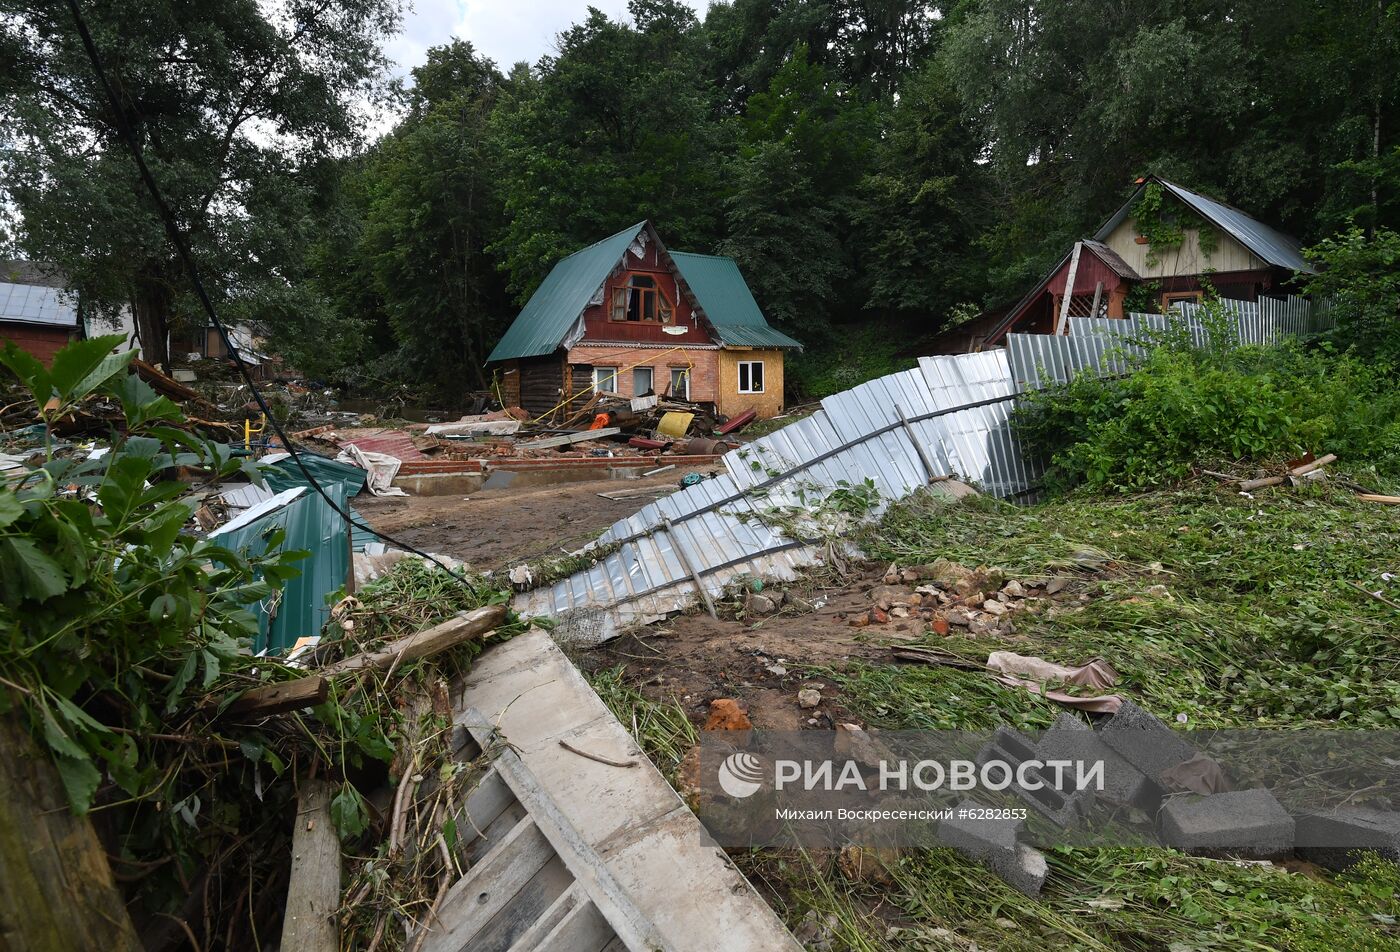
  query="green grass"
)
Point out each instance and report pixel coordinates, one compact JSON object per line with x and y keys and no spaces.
{"x":1259,"y":625}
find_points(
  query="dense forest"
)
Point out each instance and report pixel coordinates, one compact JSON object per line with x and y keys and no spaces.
{"x":879,"y":168}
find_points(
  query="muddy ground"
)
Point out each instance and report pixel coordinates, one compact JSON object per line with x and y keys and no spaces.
{"x":760,"y":662}
{"x":498,"y":528}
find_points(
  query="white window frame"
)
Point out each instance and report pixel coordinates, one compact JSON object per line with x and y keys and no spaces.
{"x":601,"y":374}
{"x":740,"y":374}
{"x":684,"y":375}
{"x":651,"y":381}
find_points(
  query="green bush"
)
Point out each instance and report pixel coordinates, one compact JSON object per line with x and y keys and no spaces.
{"x":1184,"y":406}
{"x":844,"y":361}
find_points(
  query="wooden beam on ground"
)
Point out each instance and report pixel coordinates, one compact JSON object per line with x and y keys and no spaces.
{"x":465,"y":626}
{"x":1260,"y":483}
{"x":1318,"y":463}
{"x":56,"y":888}
{"x":313,"y":893}
{"x":315,"y":688}
{"x":282,"y":696}
{"x":1377,"y":497}
{"x":567,"y":438}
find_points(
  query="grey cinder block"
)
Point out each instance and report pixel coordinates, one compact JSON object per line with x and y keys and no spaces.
{"x":1069,"y":738}
{"x":1248,"y":823}
{"x":994,"y":844}
{"x":1333,"y":839}
{"x":1145,"y":742}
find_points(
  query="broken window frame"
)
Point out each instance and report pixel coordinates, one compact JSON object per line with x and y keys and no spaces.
{"x":636,"y":297}
{"x":746,"y":370}
{"x":680,"y":376}
{"x":637,"y":389}
{"x":601,"y":375}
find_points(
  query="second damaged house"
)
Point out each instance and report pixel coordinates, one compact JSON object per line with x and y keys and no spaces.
{"x":628,"y":317}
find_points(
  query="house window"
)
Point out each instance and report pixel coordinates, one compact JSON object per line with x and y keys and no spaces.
{"x":680,"y":383}
{"x":1189,"y":297}
{"x":605,"y":379}
{"x":750,"y":376}
{"x":640,"y":299}
{"x":642,"y":381}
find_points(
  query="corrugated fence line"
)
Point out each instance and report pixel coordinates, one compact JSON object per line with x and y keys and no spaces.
{"x":947,"y":417}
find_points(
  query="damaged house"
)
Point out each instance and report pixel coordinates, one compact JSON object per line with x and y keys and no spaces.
{"x":1165,"y":245}
{"x":628,"y":317}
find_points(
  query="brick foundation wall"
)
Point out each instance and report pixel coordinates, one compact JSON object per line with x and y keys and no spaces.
{"x":41,"y":342}
{"x":703,"y":365}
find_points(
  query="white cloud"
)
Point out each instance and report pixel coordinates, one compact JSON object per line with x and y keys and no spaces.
{"x":506,"y":31}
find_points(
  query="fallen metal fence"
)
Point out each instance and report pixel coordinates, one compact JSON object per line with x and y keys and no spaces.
{"x":948,"y":417}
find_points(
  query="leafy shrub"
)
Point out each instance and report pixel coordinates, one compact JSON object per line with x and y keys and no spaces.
{"x":843,"y":360}
{"x":1184,"y":406}
{"x":1361,"y":277}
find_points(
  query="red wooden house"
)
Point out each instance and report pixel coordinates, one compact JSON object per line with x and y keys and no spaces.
{"x":629,"y":317}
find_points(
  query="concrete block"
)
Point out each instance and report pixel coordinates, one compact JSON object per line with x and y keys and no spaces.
{"x":1063,"y":804}
{"x":993,"y":844}
{"x":1145,"y":742}
{"x":1332,"y":839}
{"x":1069,"y":738}
{"x":1248,"y":823}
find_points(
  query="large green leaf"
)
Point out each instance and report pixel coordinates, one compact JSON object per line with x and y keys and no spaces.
{"x":27,"y":368}
{"x":28,"y":572}
{"x":10,"y":508}
{"x":80,"y":780}
{"x":83,"y":366}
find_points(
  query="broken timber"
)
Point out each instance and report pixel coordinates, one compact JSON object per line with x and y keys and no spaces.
{"x":573,"y":852}
{"x":566,"y":438}
{"x":313,"y":894}
{"x":313,"y":689}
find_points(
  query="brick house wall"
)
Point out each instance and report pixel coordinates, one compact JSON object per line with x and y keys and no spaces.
{"x":38,"y":340}
{"x":702,"y":362}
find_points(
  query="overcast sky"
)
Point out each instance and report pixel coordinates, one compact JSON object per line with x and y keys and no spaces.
{"x":507,"y":31}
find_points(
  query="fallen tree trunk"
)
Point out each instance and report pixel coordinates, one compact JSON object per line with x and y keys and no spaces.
{"x":56,"y":888}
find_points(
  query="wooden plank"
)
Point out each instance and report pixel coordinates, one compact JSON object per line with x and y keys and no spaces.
{"x":583,"y":930}
{"x":1377,"y":497}
{"x":313,"y":891}
{"x":488,"y":801}
{"x":551,"y":917}
{"x":488,"y":887}
{"x":464,"y":626}
{"x":593,"y":876}
{"x":532,"y":901}
{"x":1062,"y":321}
{"x":282,"y":696}
{"x":564,"y":439}
{"x":482,"y":839}
{"x":56,"y":888}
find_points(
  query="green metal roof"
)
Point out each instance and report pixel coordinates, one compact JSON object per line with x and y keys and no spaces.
{"x":727,"y":302}
{"x":715,"y":281}
{"x":558,"y":302}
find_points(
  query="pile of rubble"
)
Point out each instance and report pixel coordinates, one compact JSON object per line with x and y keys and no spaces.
{"x":1186,"y":798}
{"x":952,"y":599}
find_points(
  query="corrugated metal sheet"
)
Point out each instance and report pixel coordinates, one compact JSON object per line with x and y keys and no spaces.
{"x":301,"y":607}
{"x":32,"y":304}
{"x":1270,"y":244}
{"x":957,"y":411}
{"x":728,"y":303}
{"x":560,"y":300}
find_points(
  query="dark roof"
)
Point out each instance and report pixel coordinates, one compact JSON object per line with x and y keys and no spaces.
{"x":727,"y":301}
{"x":1111,"y":258}
{"x":715,"y":283}
{"x":1270,"y":245}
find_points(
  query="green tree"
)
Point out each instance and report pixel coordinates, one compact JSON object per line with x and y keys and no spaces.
{"x":230,"y":101}
{"x":614,"y":129}
{"x":804,"y":144}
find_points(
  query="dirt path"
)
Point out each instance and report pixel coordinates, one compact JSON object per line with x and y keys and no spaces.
{"x":498,"y":528}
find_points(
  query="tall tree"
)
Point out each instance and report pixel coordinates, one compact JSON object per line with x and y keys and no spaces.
{"x":229,"y":100}
{"x":614,"y":129}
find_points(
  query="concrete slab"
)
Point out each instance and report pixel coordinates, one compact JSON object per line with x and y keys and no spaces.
{"x":1069,"y":738}
{"x":1248,"y":823}
{"x":1339,"y":839}
{"x":994,"y":844}
{"x":644,"y":834}
{"x":1144,"y":741}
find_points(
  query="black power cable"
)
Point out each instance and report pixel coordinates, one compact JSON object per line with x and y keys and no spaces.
{"x":173,"y":232}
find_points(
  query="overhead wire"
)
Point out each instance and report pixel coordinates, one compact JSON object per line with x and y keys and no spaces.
{"x":187,"y":259}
